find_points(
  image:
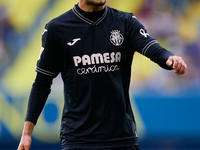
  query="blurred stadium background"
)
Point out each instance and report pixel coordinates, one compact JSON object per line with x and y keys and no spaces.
{"x":166,"y":106}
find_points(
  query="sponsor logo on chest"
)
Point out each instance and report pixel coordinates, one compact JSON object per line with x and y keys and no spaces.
{"x":104,"y":61}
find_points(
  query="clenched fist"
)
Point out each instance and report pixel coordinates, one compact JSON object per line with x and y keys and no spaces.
{"x":178,"y":64}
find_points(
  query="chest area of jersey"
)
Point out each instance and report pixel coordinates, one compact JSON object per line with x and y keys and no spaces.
{"x":93,"y":39}
{"x":94,"y":45}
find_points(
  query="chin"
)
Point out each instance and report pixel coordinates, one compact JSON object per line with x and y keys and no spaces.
{"x":97,"y":2}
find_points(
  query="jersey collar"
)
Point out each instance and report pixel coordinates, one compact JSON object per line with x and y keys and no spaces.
{"x":85,"y":19}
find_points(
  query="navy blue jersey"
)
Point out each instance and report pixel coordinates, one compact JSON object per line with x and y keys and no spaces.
{"x":94,"y":58}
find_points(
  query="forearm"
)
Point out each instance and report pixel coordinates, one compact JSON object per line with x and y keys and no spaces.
{"x":39,"y":93}
{"x":159,"y":55}
{"x":38,"y":96}
{"x":162,"y":58}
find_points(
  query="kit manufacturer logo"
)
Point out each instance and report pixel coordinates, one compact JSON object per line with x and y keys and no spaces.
{"x":73,"y":41}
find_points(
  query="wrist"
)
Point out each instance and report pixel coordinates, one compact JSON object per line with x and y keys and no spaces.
{"x":28,"y":128}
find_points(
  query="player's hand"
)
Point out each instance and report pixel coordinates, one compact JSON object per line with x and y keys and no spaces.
{"x":177,"y":64}
{"x":25,"y":143}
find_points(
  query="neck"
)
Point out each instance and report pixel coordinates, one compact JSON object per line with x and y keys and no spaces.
{"x":89,"y":7}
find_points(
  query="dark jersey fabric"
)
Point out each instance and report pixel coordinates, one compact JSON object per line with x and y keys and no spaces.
{"x":94,"y":57}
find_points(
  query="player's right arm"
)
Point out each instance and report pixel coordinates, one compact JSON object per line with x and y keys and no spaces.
{"x":26,"y":140}
{"x":48,"y":66}
{"x":38,"y":96}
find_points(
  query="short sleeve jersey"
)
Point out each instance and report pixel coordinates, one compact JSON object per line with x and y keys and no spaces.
{"x":94,"y":59}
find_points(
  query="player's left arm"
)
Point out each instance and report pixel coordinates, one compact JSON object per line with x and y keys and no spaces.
{"x":148,"y":46}
{"x":177,"y":63}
